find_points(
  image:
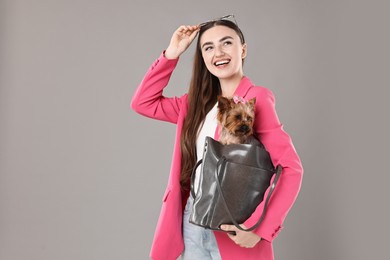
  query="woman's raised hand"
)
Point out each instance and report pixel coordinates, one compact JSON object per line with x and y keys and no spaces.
{"x":181,"y":40}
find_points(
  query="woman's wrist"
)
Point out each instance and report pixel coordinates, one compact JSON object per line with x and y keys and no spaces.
{"x":171,"y":54}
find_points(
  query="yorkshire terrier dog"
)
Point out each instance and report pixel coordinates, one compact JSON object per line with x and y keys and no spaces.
{"x":236,"y":116}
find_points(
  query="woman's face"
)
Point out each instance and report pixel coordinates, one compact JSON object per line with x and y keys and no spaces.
{"x":223,"y":52}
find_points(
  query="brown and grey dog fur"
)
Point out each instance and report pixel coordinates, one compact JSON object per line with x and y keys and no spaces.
{"x":236,"y":120}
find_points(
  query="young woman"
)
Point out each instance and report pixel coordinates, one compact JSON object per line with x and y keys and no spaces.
{"x":217,"y":70}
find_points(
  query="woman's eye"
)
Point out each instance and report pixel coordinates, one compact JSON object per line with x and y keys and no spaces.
{"x":227,"y":43}
{"x":208,"y":48}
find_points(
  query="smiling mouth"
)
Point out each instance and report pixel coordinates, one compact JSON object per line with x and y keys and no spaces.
{"x":221,"y":62}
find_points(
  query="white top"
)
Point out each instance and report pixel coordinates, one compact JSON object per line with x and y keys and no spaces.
{"x":208,"y":129}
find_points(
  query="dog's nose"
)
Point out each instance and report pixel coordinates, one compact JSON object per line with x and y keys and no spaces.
{"x":244,"y":128}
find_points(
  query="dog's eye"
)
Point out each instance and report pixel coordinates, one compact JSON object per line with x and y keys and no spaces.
{"x":238,"y":117}
{"x":249,"y":118}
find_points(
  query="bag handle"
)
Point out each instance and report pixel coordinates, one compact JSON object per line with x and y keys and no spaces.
{"x":193,"y":177}
{"x":222,"y":164}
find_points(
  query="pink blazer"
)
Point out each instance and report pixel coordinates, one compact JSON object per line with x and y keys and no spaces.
{"x":149,"y":101}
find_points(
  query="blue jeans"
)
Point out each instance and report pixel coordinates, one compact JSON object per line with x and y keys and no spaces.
{"x":199,"y":243}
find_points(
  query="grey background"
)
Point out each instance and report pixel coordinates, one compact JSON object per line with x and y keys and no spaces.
{"x":82,"y":176}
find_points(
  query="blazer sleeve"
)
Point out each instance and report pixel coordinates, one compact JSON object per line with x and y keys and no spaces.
{"x":148,"y":99}
{"x":278,"y":143}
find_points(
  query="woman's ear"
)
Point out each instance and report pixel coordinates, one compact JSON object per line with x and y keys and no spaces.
{"x":244,"y":51}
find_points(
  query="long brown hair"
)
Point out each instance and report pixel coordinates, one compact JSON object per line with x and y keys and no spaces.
{"x":202,"y":96}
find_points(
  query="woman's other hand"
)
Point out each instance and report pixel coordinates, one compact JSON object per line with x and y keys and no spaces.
{"x":181,"y":40}
{"x":242,"y":238}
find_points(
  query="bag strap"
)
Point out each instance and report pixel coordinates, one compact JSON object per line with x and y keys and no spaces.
{"x":222,"y":164}
{"x":193,"y":177}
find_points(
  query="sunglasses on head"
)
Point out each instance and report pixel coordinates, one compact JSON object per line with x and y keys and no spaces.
{"x":229,"y":17}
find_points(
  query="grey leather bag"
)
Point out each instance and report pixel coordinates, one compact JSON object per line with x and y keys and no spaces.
{"x":233,"y":180}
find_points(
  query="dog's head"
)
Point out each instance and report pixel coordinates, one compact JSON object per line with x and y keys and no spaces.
{"x":236,"y":115}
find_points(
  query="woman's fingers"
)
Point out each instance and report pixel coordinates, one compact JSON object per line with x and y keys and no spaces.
{"x":188,"y":29}
{"x":185,"y":33}
{"x":193,"y":32}
{"x":229,"y":227}
{"x":241,"y":238}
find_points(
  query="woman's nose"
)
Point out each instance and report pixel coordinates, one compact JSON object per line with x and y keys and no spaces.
{"x":219,"y":51}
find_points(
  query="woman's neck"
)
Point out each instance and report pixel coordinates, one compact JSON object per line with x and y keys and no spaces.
{"x":229,"y":85}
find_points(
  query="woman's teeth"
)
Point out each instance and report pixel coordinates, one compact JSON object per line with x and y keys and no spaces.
{"x":221,"y":62}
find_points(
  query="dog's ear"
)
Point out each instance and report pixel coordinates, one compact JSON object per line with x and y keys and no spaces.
{"x":224,"y":104}
{"x":252,"y":102}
